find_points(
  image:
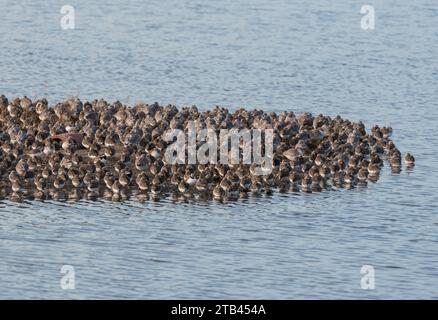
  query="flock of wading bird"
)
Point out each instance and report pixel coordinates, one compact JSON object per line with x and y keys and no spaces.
{"x":76,"y":150}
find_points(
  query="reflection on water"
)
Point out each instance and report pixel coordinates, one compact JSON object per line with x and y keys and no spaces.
{"x":127,"y":194}
{"x":288,"y":55}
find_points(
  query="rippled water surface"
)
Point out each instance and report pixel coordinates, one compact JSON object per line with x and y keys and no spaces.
{"x":276,"y":55}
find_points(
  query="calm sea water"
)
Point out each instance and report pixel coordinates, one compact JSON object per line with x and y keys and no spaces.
{"x":277,"y":55}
